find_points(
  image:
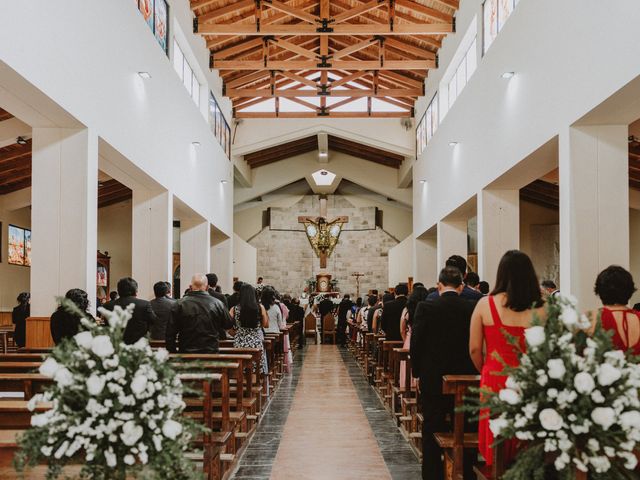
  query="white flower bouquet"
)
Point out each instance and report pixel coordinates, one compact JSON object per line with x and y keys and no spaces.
{"x":573,"y":401}
{"x":116,"y":408}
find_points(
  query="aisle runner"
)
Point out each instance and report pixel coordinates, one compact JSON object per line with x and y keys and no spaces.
{"x":327,"y":435}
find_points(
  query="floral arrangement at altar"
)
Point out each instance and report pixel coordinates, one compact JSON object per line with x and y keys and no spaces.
{"x":573,"y":401}
{"x":115,"y":408}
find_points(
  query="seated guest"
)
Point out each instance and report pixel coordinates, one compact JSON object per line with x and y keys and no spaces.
{"x":142,"y":317}
{"x":234,"y":298}
{"x":439,"y":346}
{"x":392,"y":311}
{"x":461,"y":264}
{"x":161,"y":306}
{"x":213,"y":289}
{"x":615,"y":287}
{"x":19,"y":318}
{"x":64,"y":324}
{"x":549,"y":288}
{"x":196,"y":320}
{"x":483,"y":287}
{"x":507,"y":310}
{"x":113,"y":296}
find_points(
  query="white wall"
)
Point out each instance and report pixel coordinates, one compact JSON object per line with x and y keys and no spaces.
{"x":551,"y":46}
{"x":13,"y":278}
{"x":245,"y":261}
{"x":84,"y":61}
{"x":114,"y":236}
{"x":401,"y":262}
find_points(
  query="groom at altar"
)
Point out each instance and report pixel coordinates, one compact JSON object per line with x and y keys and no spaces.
{"x":440,"y":346}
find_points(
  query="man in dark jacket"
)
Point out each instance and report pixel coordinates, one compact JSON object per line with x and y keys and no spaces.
{"x":143,"y":316}
{"x":212,"y":280}
{"x":161,"y":306}
{"x":343,"y":310}
{"x":392,"y":312}
{"x":440,"y":346}
{"x":467,"y":292}
{"x":325,"y":307}
{"x":234,"y":298}
{"x":196,"y":320}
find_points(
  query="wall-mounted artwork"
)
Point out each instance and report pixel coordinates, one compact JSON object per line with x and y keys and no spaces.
{"x":146,"y":8}
{"x":161,"y":18}
{"x":19,"y":251}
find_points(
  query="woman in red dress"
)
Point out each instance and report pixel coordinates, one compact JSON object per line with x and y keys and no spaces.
{"x":615,"y":287}
{"x":509,"y":309}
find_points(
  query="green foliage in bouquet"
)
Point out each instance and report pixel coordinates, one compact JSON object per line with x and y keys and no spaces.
{"x":116,"y":408}
{"x":573,"y":401}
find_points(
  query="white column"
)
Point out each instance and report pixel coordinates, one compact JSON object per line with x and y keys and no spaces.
{"x":594,"y":206}
{"x":195,"y":250}
{"x":498,"y":229}
{"x":222,"y":264}
{"x":425,"y":268}
{"x":63,"y":215}
{"x":152,"y":239}
{"x":452,"y":240}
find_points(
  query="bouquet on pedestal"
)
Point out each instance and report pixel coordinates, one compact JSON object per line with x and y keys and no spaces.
{"x":573,"y":401}
{"x":116,"y":408}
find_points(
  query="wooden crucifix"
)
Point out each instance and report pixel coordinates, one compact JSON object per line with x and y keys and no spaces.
{"x":323,"y":235}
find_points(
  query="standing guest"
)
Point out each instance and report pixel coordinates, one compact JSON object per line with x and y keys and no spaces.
{"x":343,"y":309}
{"x":196,"y":320}
{"x":113,"y":296}
{"x":268,"y":300}
{"x":296,"y":312}
{"x":392,"y":312}
{"x":439,"y":346}
{"x":64,"y":324}
{"x":161,"y":306}
{"x":234,"y":298}
{"x":19,"y":316}
{"x":249,"y":319}
{"x":615,"y":287}
{"x":549,"y":288}
{"x":507,"y":310}
{"x":419,"y":294}
{"x":325,"y":307}
{"x":472,"y":280}
{"x":260,"y":280}
{"x":377,"y":314}
{"x":143,"y":316}
{"x":461,"y":264}
{"x":483,"y":287}
{"x":213,"y":289}
{"x":372,"y":301}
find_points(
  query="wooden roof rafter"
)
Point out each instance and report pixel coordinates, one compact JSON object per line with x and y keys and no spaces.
{"x":383,"y":50}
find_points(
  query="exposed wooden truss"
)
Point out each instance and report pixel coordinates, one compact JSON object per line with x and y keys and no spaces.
{"x":377,"y":50}
{"x":310,"y":144}
{"x":4,"y":115}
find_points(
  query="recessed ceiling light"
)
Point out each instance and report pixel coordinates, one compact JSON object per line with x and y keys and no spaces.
{"x":195,"y":144}
{"x":453,"y":144}
{"x":144,"y":75}
{"x":423,"y":181}
{"x":508,"y":75}
{"x":224,"y":182}
{"x":21,"y":141}
{"x":323,"y":154}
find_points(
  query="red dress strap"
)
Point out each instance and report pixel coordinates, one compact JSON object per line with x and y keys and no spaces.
{"x":494,"y":312}
{"x":625,"y":328}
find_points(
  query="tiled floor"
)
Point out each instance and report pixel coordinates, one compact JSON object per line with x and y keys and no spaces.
{"x":326,"y":422}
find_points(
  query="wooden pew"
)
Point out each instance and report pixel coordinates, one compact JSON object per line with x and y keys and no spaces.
{"x":310,"y":326}
{"x":454,"y":443}
{"x":329,"y":327}
{"x":27,"y":383}
{"x":19,"y":367}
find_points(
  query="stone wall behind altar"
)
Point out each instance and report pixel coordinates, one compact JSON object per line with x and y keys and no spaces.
{"x":286,"y":260}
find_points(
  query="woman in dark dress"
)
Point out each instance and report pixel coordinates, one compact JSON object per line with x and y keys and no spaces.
{"x":19,"y":317}
{"x":65,"y":324}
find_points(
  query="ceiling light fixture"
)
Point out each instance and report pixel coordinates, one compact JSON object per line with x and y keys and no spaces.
{"x":323,"y":154}
{"x":453,"y":144}
{"x":21,"y":141}
{"x":423,"y":181}
{"x":224,"y":182}
{"x":145,"y":75}
{"x":508,"y":75}
{"x":195,"y":144}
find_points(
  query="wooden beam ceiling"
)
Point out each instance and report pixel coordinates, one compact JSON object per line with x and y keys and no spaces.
{"x":4,"y":115}
{"x":387,"y":46}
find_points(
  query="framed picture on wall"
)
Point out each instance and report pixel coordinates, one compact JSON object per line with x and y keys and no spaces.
{"x":161,"y":23}
{"x":19,"y":246}
{"x":146,"y":8}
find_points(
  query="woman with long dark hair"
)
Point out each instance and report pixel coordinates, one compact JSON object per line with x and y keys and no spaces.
{"x":65,"y":324}
{"x":19,"y":318}
{"x":250,"y":317}
{"x":268,"y":300}
{"x":418,"y":294}
{"x":514,"y":302}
